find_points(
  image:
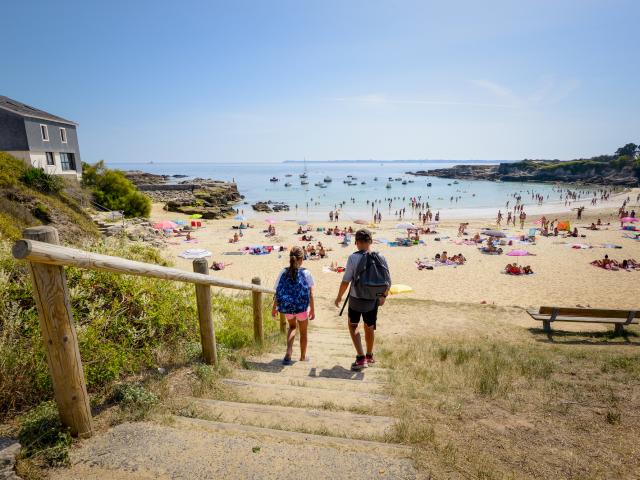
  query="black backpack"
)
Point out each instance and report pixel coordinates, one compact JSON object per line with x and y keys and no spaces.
{"x":372,"y":278}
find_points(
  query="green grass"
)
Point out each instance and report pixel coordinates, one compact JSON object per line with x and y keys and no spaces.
{"x":125,"y":325}
{"x":43,"y":438}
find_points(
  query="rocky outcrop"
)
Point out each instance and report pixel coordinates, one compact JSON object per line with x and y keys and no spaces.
{"x":268,"y":207}
{"x":210,"y":198}
{"x":584,"y":172}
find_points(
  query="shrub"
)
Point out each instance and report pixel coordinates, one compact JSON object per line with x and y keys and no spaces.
{"x":41,"y":212}
{"x":125,"y":324}
{"x":114,"y":191}
{"x":42,"y":436}
{"x":135,"y":400}
{"x":40,"y":180}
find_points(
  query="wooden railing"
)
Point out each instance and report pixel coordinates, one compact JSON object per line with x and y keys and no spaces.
{"x":46,"y":259}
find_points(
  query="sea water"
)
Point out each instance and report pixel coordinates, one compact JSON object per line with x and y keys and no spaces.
{"x":471,"y":198}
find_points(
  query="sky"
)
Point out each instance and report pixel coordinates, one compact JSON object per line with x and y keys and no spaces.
{"x":268,"y":81}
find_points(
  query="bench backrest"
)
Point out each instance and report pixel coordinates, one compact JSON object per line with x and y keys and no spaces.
{"x":588,"y":312}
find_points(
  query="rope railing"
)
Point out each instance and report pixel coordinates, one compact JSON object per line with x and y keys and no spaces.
{"x":46,"y":258}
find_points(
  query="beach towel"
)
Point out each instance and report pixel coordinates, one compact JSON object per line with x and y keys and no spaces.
{"x":610,"y":245}
{"x":632,"y":237}
{"x":578,"y":246}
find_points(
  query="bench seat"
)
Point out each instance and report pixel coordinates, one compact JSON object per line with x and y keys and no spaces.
{"x":618,"y":318}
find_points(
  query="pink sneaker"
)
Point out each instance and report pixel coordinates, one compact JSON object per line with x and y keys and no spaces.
{"x":359,"y":364}
{"x":369,"y":359}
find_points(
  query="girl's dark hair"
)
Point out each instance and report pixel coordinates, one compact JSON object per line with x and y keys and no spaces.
{"x":295,"y":255}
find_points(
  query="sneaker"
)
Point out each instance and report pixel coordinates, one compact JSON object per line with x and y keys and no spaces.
{"x":369,"y":359}
{"x":359,"y":364}
{"x":287,"y":361}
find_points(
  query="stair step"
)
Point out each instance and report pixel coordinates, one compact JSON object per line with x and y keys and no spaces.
{"x":303,"y":369}
{"x":199,"y":449}
{"x":322,"y":422}
{"x":288,"y":395}
{"x":363,"y":385}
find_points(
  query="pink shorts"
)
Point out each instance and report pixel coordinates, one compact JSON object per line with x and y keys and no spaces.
{"x":297,"y":316}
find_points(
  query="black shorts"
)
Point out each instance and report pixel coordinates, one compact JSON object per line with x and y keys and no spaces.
{"x":369,"y":317}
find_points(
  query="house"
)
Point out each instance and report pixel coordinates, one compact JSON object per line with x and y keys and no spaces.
{"x":39,"y":138}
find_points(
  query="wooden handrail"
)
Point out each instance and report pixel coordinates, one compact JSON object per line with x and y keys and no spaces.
{"x":46,"y":258}
{"x":50,"y":254}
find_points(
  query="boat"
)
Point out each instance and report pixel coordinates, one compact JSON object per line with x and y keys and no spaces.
{"x":363,"y":183}
{"x":398,"y":179}
{"x":388,"y":185}
{"x":287,"y":184}
{"x":327,"y":179}
{"x":390,"y":179}
{"x":274,"y":179}
{"x":404,"y":182}
{"x":322,"y":185}
{"x":428,"y":184}
{"x":288,"y":175}
{"x":304,"y":174}
{"x":375,"y":179}
{"x":304,"y":182}
{"x":456,"y":182}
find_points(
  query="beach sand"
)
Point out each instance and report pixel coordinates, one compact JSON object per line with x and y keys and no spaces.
{"x":563,"y":275}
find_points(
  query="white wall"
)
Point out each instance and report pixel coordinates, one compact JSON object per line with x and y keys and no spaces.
{"x":39,"y":160}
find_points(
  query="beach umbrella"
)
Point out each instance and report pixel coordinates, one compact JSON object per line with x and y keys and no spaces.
{"x":361,"y":222}
{"x":303,"y":222}
{"x":398,"y":288}
{"x":494,"y":233}
{"x":195,"y":253}
{"x":179,"y":222}
{"x":165,"y":225}
{"x":628,"y":219}
{"x":405,"y":226}
{"x":240,"y":218}
{"x":270,"y":221}
{"x":518,"y":253}
{"x":196,"y":216}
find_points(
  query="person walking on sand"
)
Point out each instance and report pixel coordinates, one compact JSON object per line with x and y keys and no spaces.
{"x":294,"y":298}
{"x":368,"y":279}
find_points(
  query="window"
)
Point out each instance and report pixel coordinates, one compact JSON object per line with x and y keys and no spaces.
{"x":67,"y":161}
{"x":50,"y":159}
{"x":44,"y":130}
{"x":63,"y":135}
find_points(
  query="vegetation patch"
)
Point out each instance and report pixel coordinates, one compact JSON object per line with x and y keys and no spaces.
{"x":43,"y":438}
{"x":113,"y":190}
{"x":490,"y":407}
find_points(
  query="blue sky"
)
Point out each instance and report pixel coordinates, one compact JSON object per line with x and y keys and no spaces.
{"x":244,"y":81}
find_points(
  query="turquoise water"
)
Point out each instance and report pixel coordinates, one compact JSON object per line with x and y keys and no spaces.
{"x":475,"y":197}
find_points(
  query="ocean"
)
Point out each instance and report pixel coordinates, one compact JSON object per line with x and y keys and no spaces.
{"x":470,"y":198}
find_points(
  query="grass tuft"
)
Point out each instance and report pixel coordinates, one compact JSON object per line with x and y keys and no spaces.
{"x":43,"y":438}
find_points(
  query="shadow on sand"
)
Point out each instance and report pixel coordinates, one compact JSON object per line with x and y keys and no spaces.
{"x":596,"y":339}
{"x":337,"y":371}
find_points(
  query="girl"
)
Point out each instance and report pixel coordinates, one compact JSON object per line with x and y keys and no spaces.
{"x":294,"y":298}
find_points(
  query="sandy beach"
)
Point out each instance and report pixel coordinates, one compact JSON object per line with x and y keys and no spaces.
{"x":563,"y":275}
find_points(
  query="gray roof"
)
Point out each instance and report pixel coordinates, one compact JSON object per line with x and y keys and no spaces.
{"x":25,"y":110}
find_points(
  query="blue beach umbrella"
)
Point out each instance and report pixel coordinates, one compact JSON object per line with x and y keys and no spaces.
{"x":240,"y":218}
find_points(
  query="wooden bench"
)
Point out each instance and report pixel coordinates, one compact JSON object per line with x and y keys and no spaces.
{"x":619,"y":318}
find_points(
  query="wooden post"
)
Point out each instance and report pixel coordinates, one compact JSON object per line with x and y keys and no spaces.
{"x":258,"y":332}
{"x":205,"y":316}
{"x":59,"y":336}
{"x":283,"y":324}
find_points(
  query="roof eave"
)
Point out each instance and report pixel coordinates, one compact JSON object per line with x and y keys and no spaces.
{"x":37,"y":117}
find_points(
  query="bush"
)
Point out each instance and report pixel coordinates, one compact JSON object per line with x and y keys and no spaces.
{"x":114,"y":191}
{"x":41,"y":212}
{"x":135,"y":400}
{"x":125,"y":324}
{"x":40,"y":180}
{"x":42,"y":436}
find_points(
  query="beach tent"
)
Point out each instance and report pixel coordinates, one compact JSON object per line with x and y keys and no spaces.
{"x":564,"y":225}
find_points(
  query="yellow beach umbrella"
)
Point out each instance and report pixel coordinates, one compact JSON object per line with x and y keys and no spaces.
{"x":398,"y":288}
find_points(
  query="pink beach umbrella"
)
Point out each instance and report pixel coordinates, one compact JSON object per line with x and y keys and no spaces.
{"x":270,"y":221}
{"x":518,"y":253}
{"x":165,"y":225}
{"x":629,"y":219}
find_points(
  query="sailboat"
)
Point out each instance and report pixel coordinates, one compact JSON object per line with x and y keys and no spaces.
{"x":304,"y":175}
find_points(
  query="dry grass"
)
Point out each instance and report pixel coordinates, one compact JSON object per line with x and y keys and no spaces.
{"x":489,"y":405}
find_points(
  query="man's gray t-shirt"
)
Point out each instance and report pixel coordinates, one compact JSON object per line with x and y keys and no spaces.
{"x":358,"y":304}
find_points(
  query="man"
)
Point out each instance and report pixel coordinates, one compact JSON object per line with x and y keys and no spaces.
{"x":361,"y":307}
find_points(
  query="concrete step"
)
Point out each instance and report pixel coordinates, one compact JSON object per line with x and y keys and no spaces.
{"x":336,"y":369}
{"x":292,"y":396}
{"x":184,"y":448}
{"x":362,"y":385}
{"x":316,"y":421}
